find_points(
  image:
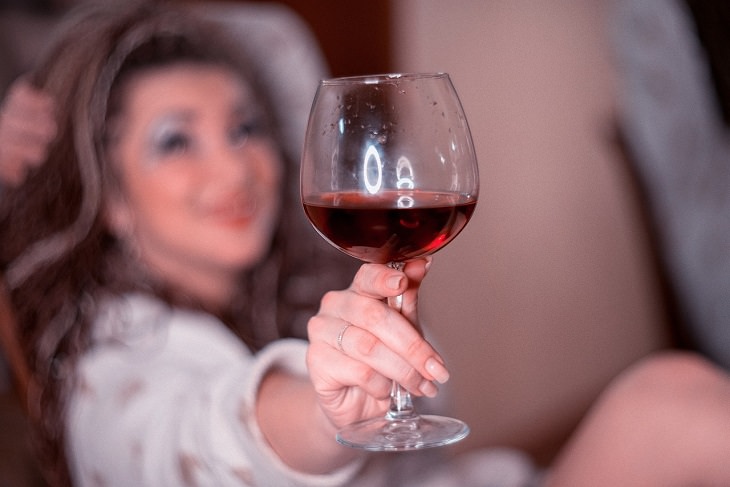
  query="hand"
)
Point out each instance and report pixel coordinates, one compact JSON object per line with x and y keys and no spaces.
{"x":27,"y":127}
{"x":379,"y":345}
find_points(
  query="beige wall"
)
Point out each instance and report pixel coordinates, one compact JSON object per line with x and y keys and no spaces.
{"x":547,"y":294}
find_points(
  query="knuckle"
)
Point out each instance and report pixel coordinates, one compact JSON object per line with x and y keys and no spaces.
{"x":359,"y":276}
{"x":313,"y":357}
{"x":410,"y":379}
{"x":375,"y":311}
{"x":366,"y":277}
{"x":374,"y":383}
{"x":415,"y":347}
{"x":329,"y":299}
{"x":368,"y":375}
{"x":314,"y":324}
{"x":366,"y":345}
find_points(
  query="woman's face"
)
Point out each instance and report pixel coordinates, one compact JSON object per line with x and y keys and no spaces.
{"x":199,"y":177}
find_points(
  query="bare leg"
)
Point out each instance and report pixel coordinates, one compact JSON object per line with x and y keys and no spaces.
{"x":666,"y":422}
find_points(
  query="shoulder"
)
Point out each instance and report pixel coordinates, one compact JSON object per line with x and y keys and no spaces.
{"x":145,"y":326}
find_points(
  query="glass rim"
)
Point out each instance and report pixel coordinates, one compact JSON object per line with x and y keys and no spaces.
{"x":382,"y":78}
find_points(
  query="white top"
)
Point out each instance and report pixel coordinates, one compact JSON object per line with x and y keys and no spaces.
{"x":166,"y":397}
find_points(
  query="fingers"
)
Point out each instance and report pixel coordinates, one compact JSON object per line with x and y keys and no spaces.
{"x":348,"y":372}
{"x":30,"y":109}
{"x":378,"y":281}
{"x":348,"y":390}
{"x":412,"y":373}
{"x":357,"y":323}
{"x":27,"y":127}
{"x":367,"y":362}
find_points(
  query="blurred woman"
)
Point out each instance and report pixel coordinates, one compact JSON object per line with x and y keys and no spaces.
{"x":156,"y":281}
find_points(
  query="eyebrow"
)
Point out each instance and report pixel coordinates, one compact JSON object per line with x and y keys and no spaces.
{"x":241,"y":107}
{"x":177,"y":115}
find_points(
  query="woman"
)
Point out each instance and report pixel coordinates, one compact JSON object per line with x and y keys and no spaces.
{"x":147,"y":260}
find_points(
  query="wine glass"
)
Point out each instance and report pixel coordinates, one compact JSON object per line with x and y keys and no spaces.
{"x":389,"y":174}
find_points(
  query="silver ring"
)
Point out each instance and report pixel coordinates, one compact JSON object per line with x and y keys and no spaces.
{"x":340,"y":335}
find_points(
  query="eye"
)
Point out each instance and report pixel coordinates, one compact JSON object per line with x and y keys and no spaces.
{"x":240,"y":132}
{"x":175,"y":142}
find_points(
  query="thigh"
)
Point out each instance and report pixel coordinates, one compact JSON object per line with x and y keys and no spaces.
{"x":663,"y":422}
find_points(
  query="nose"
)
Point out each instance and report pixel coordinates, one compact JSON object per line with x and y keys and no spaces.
{"x":233,"y":165}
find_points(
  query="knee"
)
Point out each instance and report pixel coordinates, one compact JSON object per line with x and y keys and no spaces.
{"x":673,"y":373}
{"x":663,"y":422}
{"x":679,"y":387}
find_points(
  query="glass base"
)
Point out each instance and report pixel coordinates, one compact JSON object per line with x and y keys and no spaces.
{"x":385,"y":434}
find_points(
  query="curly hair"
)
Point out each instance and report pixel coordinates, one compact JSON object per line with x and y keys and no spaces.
{"x":55,"y":248}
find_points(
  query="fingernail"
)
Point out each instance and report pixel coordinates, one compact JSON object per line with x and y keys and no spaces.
{"x":429,"y":261}
{"x":428,"y":388}
{"x":394,"y":282}
{"x":437,"y":370}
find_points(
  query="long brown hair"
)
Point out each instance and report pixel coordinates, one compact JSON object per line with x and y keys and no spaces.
{"x":57,"y":253}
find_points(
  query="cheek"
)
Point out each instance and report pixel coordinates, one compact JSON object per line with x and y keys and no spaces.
{"x":270,"y":181}
{"x":162,"y":198}
{"x":270,"y":170}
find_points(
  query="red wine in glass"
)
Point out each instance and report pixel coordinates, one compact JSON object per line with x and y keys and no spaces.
{"x":392,"y":226}
{"x":389,"y":174}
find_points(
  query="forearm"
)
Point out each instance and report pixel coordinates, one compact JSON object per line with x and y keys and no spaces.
{"x":295,"y":426}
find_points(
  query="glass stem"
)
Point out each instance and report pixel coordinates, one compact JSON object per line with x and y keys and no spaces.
{"x":401,"y":404}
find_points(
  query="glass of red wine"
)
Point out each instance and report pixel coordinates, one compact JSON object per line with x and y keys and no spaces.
{"x":389,"y":174}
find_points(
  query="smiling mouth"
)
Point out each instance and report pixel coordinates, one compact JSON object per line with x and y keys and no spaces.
{"x":236,"y":211}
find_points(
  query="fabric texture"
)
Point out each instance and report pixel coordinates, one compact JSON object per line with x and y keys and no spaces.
{"x":166,"y":397}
